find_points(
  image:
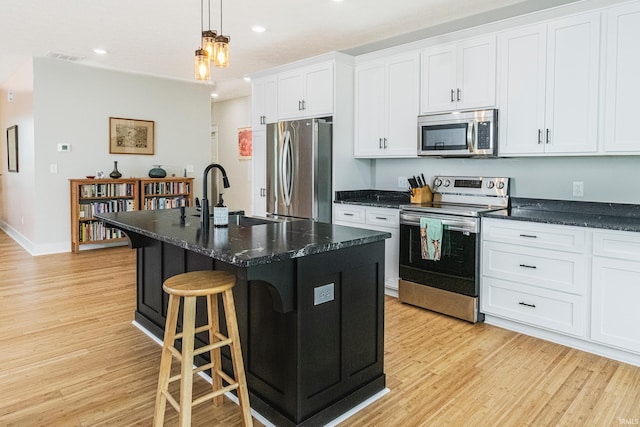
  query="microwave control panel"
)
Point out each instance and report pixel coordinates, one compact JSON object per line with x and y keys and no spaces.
{"x":484,"y":135}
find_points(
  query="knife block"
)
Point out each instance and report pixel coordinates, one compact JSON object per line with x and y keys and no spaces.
{"x":422,"y":195}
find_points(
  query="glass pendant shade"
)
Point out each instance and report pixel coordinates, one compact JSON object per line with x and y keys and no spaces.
{"x":221,"y":52}
{"x":208,"y":41}
{"x":202,"y":66}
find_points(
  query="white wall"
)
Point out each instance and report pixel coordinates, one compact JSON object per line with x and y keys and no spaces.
{"x":606,"y":179}
{"x":17,"y":190}
{"x":230,"y":116}
{"x":72,"y":104}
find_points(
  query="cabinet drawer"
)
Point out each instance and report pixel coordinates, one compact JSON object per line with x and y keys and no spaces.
{"x":555,"y":270}
{"x":538,"y":307}
{"x":349,"y":213}
{"x":383,"y":217}
{"x":617,"y":244}
{"x":546,"y":236}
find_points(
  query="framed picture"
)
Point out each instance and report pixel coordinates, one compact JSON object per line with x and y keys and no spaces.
{"x":245,"y":147}
{"x":130,"y":136}
{"x":12,"y":148}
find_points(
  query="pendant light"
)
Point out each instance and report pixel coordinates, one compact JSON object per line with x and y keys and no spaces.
{"x":202,"y":68}
{"x":209,"y":37}
{"x":221,"y":48}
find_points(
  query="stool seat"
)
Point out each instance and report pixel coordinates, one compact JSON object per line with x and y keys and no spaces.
{"x":189,"y":286}
{"x":199,"y":283}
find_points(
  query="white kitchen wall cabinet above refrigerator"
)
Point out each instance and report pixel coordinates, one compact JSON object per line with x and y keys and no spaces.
{"x":548,"y":87}
{"x":459,"y":76}
{"x":386,"y":107}
{"x":264,"y":97}
{"x":306,"y":92}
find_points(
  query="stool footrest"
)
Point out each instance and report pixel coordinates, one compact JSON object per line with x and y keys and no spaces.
{"x":213,"y":394}
{"x":171,"y":400}
{"x":197,"y":331}
{"x":210,"y":347}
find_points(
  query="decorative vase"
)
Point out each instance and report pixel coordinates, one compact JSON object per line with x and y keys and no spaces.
{"x":157,"y":172}
{"x":115,"y":173}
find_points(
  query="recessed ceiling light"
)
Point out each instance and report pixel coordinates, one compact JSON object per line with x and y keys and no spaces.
{"x":214,"y":95}
{"x":258,"y":29}
{"x":100,"y":51}
{"x":247,"y":78}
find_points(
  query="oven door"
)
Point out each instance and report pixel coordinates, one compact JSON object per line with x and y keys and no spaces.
{"x":456,"y":271}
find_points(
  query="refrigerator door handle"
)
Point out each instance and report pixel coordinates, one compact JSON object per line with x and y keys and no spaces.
{"x":286,"y":168}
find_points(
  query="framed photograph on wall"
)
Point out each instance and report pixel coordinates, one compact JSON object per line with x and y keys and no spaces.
{"x":12,"y":148}
{"x":131,"y":136}
{"x":245,"y":143}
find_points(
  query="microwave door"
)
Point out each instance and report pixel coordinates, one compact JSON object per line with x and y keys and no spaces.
{"x":445,"y":139}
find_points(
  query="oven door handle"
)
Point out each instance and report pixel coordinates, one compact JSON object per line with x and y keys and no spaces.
{"x":452,"y":225}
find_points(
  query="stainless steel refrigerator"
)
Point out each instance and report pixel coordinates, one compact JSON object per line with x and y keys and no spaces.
{"x":299,"y":169}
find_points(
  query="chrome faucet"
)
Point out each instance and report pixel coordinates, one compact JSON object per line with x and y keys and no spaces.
{"x":204,"y":215}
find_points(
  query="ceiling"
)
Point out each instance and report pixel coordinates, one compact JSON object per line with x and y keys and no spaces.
{"x":159,"y":37}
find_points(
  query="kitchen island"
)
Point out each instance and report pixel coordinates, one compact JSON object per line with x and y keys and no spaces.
{"x":309,"y":300}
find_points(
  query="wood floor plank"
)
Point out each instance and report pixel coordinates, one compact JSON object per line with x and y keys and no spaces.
{"x":69,"y":356}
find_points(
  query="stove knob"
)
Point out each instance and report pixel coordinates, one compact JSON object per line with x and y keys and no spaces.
{"x":501,"y":185}
{"x":490,"y":184}
{"x":437,"y":182}
{"x":447,"y":183}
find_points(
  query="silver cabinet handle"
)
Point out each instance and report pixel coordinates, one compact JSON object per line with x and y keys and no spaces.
{"x":527,"y":266}
{"x":385,"y":143}
{"x":347,"y":214}
{"x":548,"y":137}
{"x":382,"y":218}
{"x":531,"y":236}
{"x":452,"y":96}
{"x":539,"y":136}
{"x":458,"y":94}
{"x":380,"y":143}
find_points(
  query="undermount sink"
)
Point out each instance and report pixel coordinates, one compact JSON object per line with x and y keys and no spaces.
{"x":246,"y":221}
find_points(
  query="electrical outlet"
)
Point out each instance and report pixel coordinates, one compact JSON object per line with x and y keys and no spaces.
{"x":578,"y":189}
{"x":189,"y":168}
{"x":402,"y":182}
{"x":53,"y":168}
{"x":324,"y":293}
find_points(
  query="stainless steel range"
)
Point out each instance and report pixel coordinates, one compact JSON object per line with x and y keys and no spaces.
{"x":449,"y":284}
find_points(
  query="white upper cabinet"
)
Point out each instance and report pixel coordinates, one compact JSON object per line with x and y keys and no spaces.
{"x":548,"y":87}
{"x":387,"y":97}
{"x":460,"y":76}
{"x":264,"y":96}
{"x":623,"y":80}
{"x":306,"y":92}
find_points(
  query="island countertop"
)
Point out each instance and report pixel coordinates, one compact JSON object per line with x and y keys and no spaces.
{"x":243,"y":246}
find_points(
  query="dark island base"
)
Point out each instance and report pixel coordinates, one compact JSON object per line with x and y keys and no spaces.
{"x":306,"y":363}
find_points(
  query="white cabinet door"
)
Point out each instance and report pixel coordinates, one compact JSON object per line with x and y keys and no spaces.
{"x":386,"y":107}
{"x":549,"y":80}
{"x":623,"y":80}
{"x":264,"y":95}
{"x":459,"y":76}
{"x":521,"y":90}
{"x":439,"y":85}
{"x":259,"y":173}
{"x":370,"y":110}
{"x":616,"y":292}
{"x":402,"y":94}
{"x":573,"y":49}
{"x":306,"y":92}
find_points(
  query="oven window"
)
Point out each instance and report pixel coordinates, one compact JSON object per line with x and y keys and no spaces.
{"x":444,"y":137}
{"x":456,"y":269}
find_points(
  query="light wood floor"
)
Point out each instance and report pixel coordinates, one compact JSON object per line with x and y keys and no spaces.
{"x":69,"y":356}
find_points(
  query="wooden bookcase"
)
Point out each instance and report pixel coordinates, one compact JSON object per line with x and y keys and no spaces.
{"x":165,"y":193}
{"x":89,"y":196}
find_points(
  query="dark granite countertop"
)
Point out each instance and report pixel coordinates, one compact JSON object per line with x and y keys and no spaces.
{"x":374,"y":198}
{"x":243,"y":246}
{"x":610,"y":216}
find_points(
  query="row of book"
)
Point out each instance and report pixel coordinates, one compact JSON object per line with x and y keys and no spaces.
{"x":165,"y":202}
{"x":167,"y":188}
{"x":88,"y":210}
{"x":107,"y":190}
{"x":90,"y":231}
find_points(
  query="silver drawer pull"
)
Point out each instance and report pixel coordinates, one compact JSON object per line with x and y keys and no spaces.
{"x":528,"y":266}
{"x":381,"y":218}
{"x":347,"y":214}
{"x":527,"y":305}
{"x":531,"y":236}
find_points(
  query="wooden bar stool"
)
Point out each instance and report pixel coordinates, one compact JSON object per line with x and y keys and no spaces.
{"x":190,"y":286}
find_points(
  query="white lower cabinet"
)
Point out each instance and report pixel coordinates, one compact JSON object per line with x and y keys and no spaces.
{"x":615,"y":304}
{"x":530,"y":280}
{"x":378,"y":219}
{"x":573,"y":285}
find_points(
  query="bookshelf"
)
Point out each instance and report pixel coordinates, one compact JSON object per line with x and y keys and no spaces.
{"x":165,"y":193}
{"x":90,"y":196}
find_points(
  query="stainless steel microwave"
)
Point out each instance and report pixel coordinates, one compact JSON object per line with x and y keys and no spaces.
{"x":459,"y":134}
